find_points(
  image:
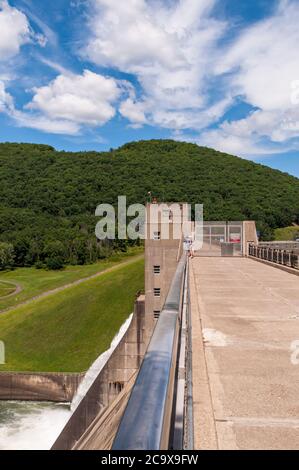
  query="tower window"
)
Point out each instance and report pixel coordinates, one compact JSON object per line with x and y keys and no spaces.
{"x":157,"y":314}
{"x":157,"y":269}
{"x":157,"y":292}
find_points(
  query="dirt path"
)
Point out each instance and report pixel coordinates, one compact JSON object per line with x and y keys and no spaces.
{"x":17,"y":290}
{"x":71,"y":284}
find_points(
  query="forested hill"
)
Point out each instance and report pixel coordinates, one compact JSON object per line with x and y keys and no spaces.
{"x":48,"y":198}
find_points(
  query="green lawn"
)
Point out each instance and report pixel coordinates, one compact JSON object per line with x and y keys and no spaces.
{"x":36,"y":281}
{"x":66,"y":331}
{"x":286,"y":233}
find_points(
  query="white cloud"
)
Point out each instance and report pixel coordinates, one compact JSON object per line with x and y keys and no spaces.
{"x":263,"y":132}
{"x":48,"y":36}
{"x":14,"y":30}
{"x":187,"y":78}
{"x":243,"y":146}
{"x":263,"y":69}
{"x":265,"y":58}
{"x":33,"y":121}
{"x":264,"y":66}
{"x":134,"y":111}
{"x":169,"y":46}
{"x":128,"y":36}
{"x":67,"y":103}
{"x":53,"y":65}
{"x":44,"y":124}
{"x":173,"y":49}
{"x":6,"y":100}
{"x":83,"y":99}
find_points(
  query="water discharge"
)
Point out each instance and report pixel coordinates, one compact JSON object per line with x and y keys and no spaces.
{"x":98,"y":365}
{"x":31,"y":425}
{"x":36,"y":425}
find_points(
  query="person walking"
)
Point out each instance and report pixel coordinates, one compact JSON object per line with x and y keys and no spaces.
{"x":190,"y":250}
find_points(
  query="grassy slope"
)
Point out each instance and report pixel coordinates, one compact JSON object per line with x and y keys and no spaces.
{"x":35,"y":281}
{"x":286,"y":233}
{"x":68,"y":330}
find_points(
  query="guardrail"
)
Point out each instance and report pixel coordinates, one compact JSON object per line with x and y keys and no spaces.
{"x":275,"y":255}
{"x":288,"y":246}
{"x":147,"y":423}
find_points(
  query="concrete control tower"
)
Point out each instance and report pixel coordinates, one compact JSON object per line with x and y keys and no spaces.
{"x":163,"y":249}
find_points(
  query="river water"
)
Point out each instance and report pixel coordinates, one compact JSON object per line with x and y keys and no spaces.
{"x":36,"y":425}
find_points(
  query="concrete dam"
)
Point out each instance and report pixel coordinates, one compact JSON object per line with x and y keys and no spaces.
{"x":206,"y":359}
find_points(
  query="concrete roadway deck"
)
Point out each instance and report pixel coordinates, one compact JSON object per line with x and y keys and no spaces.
{"x":245,"y":315}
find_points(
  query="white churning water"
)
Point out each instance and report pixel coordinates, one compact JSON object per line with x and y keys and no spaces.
{"x":36,"y":425}
{"x":98,"y":365}
{"x":31,"y":425}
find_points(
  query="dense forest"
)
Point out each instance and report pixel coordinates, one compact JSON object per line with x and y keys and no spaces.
{"x":48,"y":198}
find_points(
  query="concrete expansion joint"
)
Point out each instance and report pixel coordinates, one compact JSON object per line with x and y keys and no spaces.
{"x":260,"y":422}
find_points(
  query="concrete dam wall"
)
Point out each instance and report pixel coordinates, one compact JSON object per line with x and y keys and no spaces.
{"x":123,"y":364}
{"x":55,"y":387}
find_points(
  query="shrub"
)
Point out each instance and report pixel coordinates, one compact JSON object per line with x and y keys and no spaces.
{"x":54,"y":264}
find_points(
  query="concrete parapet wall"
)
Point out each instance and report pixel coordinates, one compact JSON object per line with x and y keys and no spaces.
{"x":102,"y":431}
{"x":120,"y":368}
{"x":39,"y":387}
{"x":249,"y":235}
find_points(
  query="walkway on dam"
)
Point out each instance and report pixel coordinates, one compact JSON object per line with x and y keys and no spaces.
{"x":245,"y":317}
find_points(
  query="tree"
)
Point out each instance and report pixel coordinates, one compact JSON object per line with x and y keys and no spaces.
{"x":6,"y":256}
{"x":54,"y":249}
{"x":55,"y":255}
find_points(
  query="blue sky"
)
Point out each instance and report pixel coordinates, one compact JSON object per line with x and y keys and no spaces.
{"x":94,"y":74}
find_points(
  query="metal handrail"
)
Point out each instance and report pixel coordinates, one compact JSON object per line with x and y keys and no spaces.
{"x":274,"y":255}
{"x":189,"y":420}
{"x":146,"y":422}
